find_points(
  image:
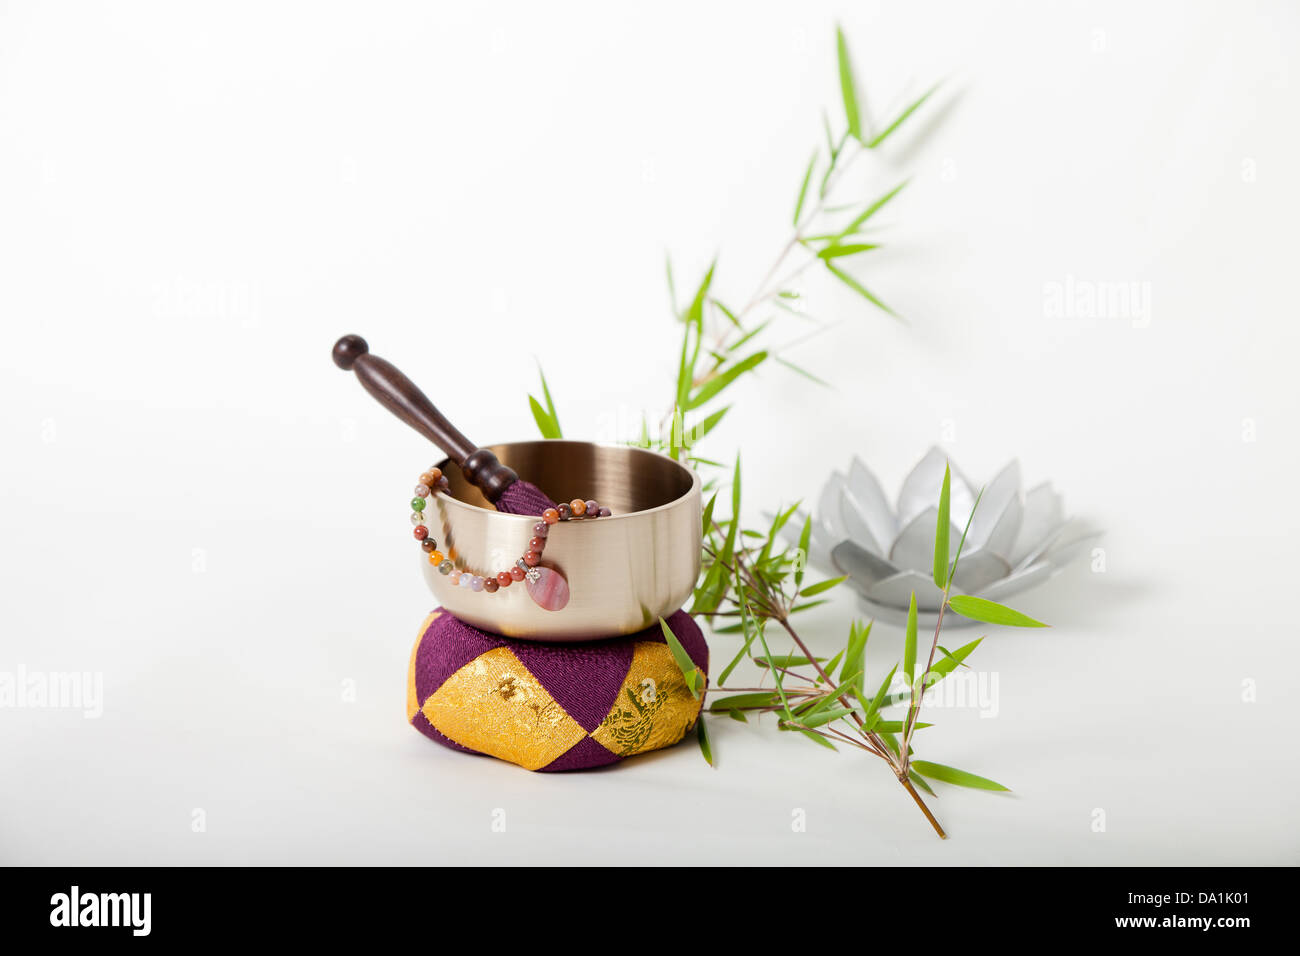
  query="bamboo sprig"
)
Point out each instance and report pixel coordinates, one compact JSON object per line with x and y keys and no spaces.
{"x":747,"y":578}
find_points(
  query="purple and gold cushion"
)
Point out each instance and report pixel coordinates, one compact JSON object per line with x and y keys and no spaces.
{"x":551,"y":706}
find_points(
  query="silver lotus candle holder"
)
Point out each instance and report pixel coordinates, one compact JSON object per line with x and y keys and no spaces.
{"x":1016,"y":540}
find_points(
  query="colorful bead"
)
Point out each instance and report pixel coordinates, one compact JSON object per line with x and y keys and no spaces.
{"x":604,"y":513}
{"x":544,"y":585}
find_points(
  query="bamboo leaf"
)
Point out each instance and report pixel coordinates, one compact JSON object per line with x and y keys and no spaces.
{"x":951,"y":662}
{"x":550,"y":404}
{"x":894,"y":726}
{"x":731,"y":316}
{"x":989,"y":612}
{"x":816,"y":737}
{"x":684,"y":370}
{"x":548,"y":427}
{"x":837,"y":251}
{"x":821,"y":586}
{"x":901,"y":118}
{"x":805,"y":538}
{"x":761,"y":699}
{"x":879,"y":699}
{"x":720,"y":381}
{"x":860,"y":289}
{"x":941,"y":533}
{"x":684,"y":662}
{"x":707,"y":518}
{"x":750,"y":627}
{"x":960,"y":778}
{"x":847,"y":90}
{"x":803,"y":189}
{"x":909,"y":643}
{"x":767,"y":651}
{"x":785,"y":660}
{"x":854,"y":652}
{"x":802,"y":371}
{"x":695,"y":314}
{"x":871,"y":210}
{"x":826,"y":716}
{"x":702,"y":735}
{"x":698,"y":431}
{"x":917,"y":779}
{"x":672,"y":286}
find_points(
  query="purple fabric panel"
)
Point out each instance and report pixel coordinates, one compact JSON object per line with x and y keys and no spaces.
{"x":421,"y":723}
{"x":522,"y":498}
{"x":583,"y":678}
{"x":584,"y":755}
{"x":448,"y":645}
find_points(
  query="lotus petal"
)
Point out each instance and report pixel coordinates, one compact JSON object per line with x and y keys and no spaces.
{"x":1002,"y":536}
{"x":1017,"y":581}
{"x":856,"y":525}
{"x":1001,"y":497}
{"x":868,"y":499}
{"x":897,"y":589}
{"x":1069,"y":537}
{"x":1069,"y":544}
{"x":863,"y":568}
{"x":926,"y":620}
{"x":922,"y":486}
{"x":1043,"y":513}
{"x":914,"y":548}
{"x":828,"y":506}
{"x":978,"y":570}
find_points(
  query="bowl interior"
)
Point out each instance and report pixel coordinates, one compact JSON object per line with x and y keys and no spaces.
{"x":621,"y":478}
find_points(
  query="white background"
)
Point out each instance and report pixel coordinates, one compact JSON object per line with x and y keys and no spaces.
{"x":196,"y":200}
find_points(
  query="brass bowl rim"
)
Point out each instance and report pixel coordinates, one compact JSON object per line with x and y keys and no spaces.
{"x":696,"y":483}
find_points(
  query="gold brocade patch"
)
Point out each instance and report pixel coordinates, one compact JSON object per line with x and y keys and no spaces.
{"x":496,"y":706}
{"x":651,"y":710}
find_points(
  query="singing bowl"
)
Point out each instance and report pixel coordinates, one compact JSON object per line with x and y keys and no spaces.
{"x":624,"y":571}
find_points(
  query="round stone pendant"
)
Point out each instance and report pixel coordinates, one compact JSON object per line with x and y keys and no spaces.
{"x":548,"y":588}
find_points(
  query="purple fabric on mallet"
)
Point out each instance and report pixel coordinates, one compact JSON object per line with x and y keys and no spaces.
{"x":523,"y":498}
